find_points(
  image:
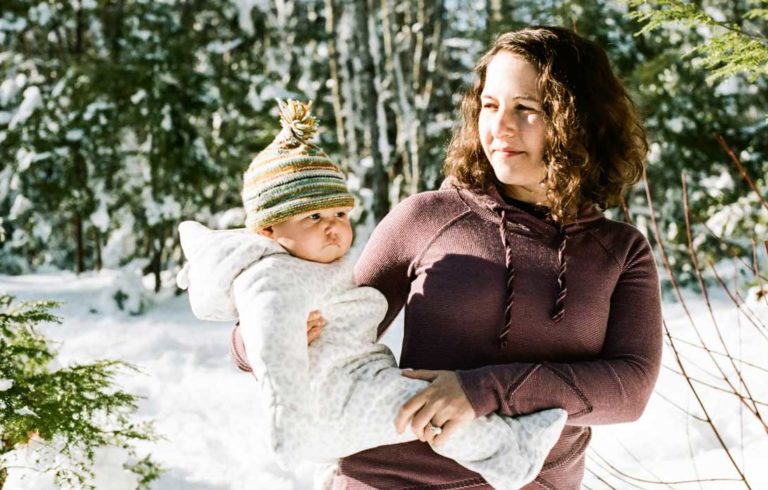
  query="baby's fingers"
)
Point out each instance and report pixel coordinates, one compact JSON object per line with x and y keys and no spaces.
{"x":315,"y":319}
{"x":313,"y":334}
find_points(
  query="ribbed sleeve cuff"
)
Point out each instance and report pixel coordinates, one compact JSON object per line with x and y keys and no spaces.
{"x":482,"y":390}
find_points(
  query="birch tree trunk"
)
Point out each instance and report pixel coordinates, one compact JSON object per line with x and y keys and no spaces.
{"x":283,"y":16}
{"x":384,"y":56}
{"x":412,"y":46}
{"x":500,"y":16}
{"x":375,"y":175}
{"x":331,"y":18}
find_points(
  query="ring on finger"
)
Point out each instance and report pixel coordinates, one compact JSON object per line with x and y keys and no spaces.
{"x":433,"y":429}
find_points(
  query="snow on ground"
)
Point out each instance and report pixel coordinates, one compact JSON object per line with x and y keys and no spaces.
{"x":208,"y":415}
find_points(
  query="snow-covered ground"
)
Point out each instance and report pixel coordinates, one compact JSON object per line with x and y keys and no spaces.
{"x":208,"y":415}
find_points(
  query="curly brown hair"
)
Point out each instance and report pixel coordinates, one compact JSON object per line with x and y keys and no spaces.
{"x":595,"y":143}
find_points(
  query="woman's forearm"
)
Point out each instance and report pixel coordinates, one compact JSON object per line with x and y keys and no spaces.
{"x":612,"y":387}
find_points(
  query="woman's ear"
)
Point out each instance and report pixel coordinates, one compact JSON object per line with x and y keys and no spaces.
{"x":267,"y":232}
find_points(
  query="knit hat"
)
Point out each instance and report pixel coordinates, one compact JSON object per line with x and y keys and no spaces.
{"x":292,"y":175}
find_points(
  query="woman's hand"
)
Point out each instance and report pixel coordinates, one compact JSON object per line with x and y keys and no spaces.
{"x":443,"y":404}
{"x":315,"y":324}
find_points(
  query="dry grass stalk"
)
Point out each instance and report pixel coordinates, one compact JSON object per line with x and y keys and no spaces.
{"x":742,"y":170}
{"x":705,"y":294}
{"x":671,"y":342}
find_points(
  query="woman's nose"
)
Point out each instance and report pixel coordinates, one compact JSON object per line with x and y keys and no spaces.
{"x":502,"y":124}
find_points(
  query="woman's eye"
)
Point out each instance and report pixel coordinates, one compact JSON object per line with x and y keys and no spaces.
{"x":488,"y":105}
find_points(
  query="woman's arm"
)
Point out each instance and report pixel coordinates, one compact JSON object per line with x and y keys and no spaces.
{"x":386,"y":261}
{"x":613,"y":388}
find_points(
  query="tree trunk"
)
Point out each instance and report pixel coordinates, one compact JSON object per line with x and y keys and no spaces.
{"x":333,"y":64}
{"x":349,"y":86}
{"x":400,"y":105}
{"x":97,"y":248}
{"x":79,"y":252}
{"x":157,"y":264}
{"x":285,"y":18}
{"x":375,"y":176}
{"x":500,"y":17}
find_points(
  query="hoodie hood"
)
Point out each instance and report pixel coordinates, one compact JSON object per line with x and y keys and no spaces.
{"x":215,"y":258}
{"x":490,"y":203}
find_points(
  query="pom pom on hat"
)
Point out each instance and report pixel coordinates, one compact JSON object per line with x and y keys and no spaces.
{"x":292,"y":175}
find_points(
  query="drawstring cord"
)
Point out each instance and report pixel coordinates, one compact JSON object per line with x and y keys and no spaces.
{"x":510,"y":266}
{"x":558,"y":311}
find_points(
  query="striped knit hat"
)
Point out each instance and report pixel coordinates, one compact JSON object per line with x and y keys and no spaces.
{"x":292,"y":175}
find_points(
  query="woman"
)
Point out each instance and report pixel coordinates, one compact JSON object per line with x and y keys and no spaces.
{"x":519,"y":294}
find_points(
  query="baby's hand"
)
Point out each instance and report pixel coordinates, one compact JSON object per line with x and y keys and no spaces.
{"x":315,"y":324}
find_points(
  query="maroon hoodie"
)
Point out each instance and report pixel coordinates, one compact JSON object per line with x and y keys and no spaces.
{"x":531,"y":315}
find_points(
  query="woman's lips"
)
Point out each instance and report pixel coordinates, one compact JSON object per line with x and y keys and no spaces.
{"x":509,"y":153}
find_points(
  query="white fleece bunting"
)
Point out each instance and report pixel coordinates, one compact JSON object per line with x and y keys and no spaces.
{"x":339,"y":396}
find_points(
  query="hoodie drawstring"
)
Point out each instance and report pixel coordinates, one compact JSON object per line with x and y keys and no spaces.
{"x":508,"y":262}
{"x":558,"y":311}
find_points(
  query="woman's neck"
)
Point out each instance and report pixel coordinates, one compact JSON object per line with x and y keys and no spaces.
{"x":533,"y":195}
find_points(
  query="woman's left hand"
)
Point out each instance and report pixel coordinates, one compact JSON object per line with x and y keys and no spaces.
{"x":443,"y":404}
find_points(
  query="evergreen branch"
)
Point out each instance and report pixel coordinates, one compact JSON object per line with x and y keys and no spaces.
{"x":734,"y":50}
{"x":71,"y":411}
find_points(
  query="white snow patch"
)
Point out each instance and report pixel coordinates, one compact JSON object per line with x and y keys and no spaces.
{"x":716,"y":184}
{"x":121,"y":243}
{"x":100,"y":217}
{"x":31,"y":101}
{"x":166,"y":123}
{"x":74,"y":135}
{"x":20,"y":206}
{"x":138,"y":96}
{"x":24,"y":411}
{"x":17,"y":25}
{"x":231,"y":218}
{"x":219,"y":47}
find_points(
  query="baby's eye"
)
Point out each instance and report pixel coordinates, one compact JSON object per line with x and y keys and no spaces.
{"x":314,"y":217}
{"x":341,"y":214}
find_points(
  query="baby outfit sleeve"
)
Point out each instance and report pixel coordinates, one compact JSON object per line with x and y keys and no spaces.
{"x":214,"y":259}
{"x":273,"y":306}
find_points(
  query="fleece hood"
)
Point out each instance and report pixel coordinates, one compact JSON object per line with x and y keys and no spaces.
{"x":214,"y":260}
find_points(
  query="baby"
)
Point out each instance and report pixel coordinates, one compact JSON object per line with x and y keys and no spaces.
{"x":341,"y":394}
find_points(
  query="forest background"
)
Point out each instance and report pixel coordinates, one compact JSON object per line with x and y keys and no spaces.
{"x":118,"y":119}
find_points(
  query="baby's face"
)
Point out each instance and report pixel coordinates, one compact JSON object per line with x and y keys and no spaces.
{"x":319,"y":236}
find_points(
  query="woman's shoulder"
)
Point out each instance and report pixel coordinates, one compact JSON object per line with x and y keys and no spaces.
{"x":416,"y":220}
{"x":426,"y":207}
{"x":624,"y":240}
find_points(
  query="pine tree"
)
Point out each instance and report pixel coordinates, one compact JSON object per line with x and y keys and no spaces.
{"x":71,"y":411}
{"x":738,"y":46}
{"x":701,"y":77}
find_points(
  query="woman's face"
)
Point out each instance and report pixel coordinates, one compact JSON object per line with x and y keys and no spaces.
{"x":511,"y":126}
